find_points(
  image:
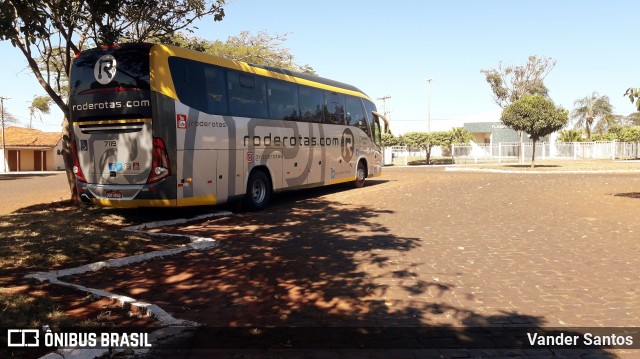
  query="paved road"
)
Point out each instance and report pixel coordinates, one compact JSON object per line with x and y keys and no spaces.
{"x":417,"y":247}
{"x":26,"y":189}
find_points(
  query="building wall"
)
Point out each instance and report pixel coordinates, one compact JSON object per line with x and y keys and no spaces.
{"x":54,"y":161}
{"x":496,"y":132}
{"x":26,"y":160}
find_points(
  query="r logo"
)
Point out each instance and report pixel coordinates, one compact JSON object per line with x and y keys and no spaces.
{"x":105,"y":69}
{"x":348,"y":144}
{"x":181,"y":121}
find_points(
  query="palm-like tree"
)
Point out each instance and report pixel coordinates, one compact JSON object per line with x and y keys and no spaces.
{"x":589,"y":110}
{"x":39,"y":106}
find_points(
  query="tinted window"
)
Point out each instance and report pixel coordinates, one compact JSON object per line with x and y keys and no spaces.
{"x":377,"y":132}
{"x":216,"y":95}
{"x":355,"y":114}
{"x":334,"y":108}
{"x":247,"y":95}
{"x":369,"y":107}
{"x":126,"y":67}
{"x":283,"y":100}
{"x":188,"y":80}
{"x":311,"y":104}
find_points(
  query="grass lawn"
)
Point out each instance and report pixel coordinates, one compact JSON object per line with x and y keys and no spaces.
{"x":60,"y":235}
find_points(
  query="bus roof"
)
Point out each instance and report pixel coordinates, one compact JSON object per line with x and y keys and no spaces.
{"x":161,"y":82}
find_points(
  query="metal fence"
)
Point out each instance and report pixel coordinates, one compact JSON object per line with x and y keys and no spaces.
{"x":558,"y":150}
{"x":508,"y":151}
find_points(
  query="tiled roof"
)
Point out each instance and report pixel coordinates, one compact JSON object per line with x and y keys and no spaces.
{"x":25,"y":137}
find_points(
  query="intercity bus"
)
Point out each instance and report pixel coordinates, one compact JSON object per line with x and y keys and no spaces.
{"x":156,"y":125}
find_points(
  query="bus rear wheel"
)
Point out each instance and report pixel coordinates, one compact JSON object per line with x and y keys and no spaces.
{"x":258,"y":191}
{"x":361,"y":175}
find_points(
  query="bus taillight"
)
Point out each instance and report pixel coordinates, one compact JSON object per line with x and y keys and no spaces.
{"x":160,"y":167}
{"x":77,"y":171}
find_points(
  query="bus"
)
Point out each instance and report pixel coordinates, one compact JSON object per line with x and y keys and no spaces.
{"x":156,"y":126}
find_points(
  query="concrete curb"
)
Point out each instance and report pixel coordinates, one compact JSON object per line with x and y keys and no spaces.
{"x":491,"y":170}
{"x":176,"y":326}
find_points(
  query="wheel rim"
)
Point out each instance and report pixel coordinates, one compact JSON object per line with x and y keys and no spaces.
{"x":360,"y":174}
{"x":259,"y":191}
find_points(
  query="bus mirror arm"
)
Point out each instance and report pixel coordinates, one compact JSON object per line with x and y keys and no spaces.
{"x":384,"y":119}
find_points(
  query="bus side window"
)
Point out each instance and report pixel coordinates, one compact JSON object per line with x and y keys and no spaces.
{"x":311,"y":104}
{"x":247,"y":95}
{"x":355,"y":114}
{"x":188,"y":81}
{"x":283,"y":100}
{"x":216,"y":90}
{"x":334,"y":108}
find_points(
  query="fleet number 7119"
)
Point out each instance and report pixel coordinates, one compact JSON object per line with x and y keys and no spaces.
{"x":109,"y":143}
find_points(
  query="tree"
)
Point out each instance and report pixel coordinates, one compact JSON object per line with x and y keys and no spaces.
{"x":511,"y":83}
{"x":261,"y":48}
{"x":50,"y":32}
{"x":456,"y":136}
{"x":536,"y":115}
{"x":634,"y":118}
{"x":589,"y":110}
{"x":622,"y":133}
{"x":389,"y":140}
{"x":570,"y":136}
{"x":39,"y":105}
{"x":426,"y":141}
{"x":634,"y":95}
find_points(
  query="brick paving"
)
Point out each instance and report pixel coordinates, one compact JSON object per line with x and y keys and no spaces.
{"x":417,"y":247}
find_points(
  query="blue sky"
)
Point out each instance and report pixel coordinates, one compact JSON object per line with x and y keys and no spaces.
{"x":390,"y":48}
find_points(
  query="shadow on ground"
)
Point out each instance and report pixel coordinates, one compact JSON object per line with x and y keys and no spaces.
{"x":309,"y":273}
{"x":628,"y":195}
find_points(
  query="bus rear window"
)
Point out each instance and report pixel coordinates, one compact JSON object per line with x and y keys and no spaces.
{"x":125,"y":68}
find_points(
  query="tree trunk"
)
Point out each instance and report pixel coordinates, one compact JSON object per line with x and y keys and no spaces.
{"x":428,"y":155}
{"x":67,"y":157}
{"x":533,"y":155}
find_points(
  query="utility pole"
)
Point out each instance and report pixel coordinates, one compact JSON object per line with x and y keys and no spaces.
{"x":384,"y":104}
{"x":4,"y":148}
{"x":429,"y":104}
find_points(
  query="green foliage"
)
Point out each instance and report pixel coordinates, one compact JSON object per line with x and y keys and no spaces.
{"x":50,"y":33}
{"x":570,"y":136}
{"x":261,"y":48}
{"x":590,"y":110}
{"x":511,"y":83}
{"x":427,"y":140}
{"x":460,"y":135}
{"x":389,"y":140}
{"x":536,"y":115}
{"x":607,"y":136}
{"x":628,"y":133}
{"x":634,"y":118}
{"x":634,"y":96}
{"x":39,"y":105}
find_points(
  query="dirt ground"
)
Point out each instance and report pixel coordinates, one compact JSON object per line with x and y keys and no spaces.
{"x":416,"y":247}
{"x":26,"y":189}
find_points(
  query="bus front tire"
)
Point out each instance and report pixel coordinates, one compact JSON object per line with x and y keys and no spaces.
{"x":258,"y":191}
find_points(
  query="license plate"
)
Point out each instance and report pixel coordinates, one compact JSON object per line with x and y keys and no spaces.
{"x":114,"y":194}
